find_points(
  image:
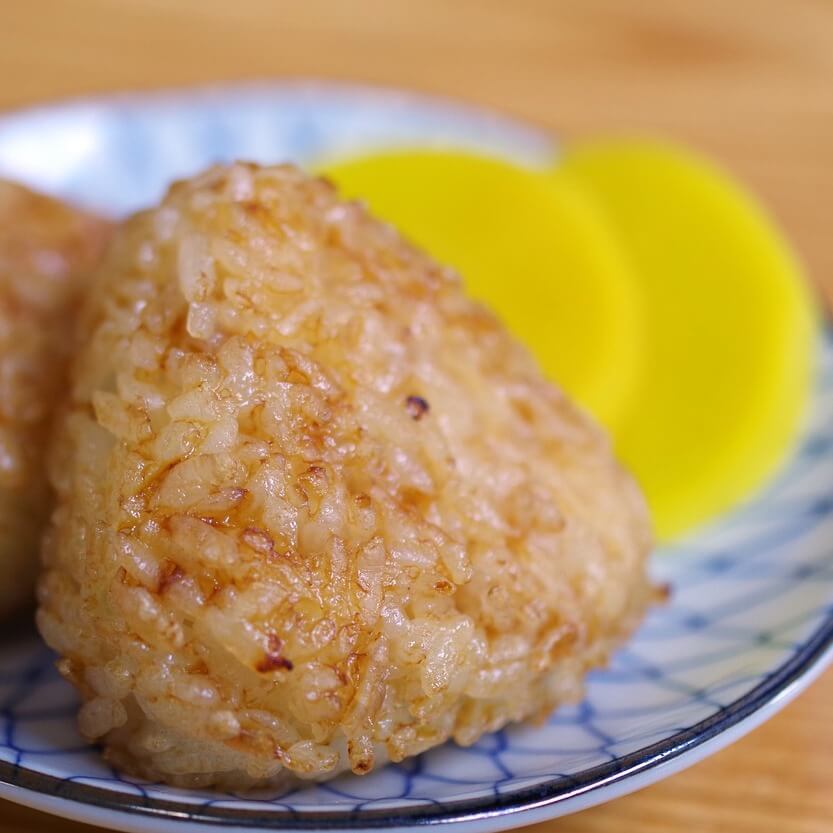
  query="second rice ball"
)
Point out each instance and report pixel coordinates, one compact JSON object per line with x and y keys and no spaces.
{"x":46,"y":250}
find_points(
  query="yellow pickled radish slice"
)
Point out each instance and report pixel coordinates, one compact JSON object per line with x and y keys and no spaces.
{"x":729,"y":334}
{"x":533,"y":248}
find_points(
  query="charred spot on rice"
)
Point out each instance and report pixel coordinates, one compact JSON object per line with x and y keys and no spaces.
{"x":417,"y":407}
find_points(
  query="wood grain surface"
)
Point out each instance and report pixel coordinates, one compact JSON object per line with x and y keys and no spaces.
{"x":748,"y":81}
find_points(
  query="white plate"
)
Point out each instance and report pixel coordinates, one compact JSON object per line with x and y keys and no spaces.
{"x":750,"y":623}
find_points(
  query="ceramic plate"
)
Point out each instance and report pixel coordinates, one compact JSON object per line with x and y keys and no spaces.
{"x":751,"y":619}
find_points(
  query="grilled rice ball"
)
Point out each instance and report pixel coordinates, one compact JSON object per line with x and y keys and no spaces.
{"x":45,"y":249}
{"x":318,"y":510}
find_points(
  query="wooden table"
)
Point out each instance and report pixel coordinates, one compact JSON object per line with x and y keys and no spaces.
{"x":749,"y":81}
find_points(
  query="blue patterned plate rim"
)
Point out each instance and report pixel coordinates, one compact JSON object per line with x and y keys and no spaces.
{"x":306,"y":86}
{"x":813,"y":656}
{"x":530,"y":142}
{"x":777,"y":688}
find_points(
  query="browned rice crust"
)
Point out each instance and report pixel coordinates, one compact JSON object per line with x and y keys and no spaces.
{"x":318,"y":510}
